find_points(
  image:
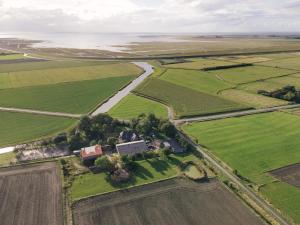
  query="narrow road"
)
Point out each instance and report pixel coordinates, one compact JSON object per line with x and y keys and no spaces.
{"x":104,"y":108}
{"x":259,"y":201}
{"x":60,"y":114}
{"x":235,"y":114}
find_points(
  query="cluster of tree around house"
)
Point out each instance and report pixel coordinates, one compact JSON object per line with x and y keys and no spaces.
{"x":288,"y":93}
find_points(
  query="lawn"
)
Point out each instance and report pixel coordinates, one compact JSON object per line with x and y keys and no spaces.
{"x":254,"y":145}
{"x":185,"y":101}
{"x":196,"y":80}
{"x":132,"y":105}
{"x":146,"y":172}
{"x":252,"y":99}
{"x":12,"y":57}
{"x":200,"y":63}
{"x":70,"y":74}
{"x":288,"y":63}
{"x":72,"y":97}
{"x":250,"y":73}
{"x":20,"y":127}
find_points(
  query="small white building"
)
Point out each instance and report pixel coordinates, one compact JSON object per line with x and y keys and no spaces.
{"x":131,"y":148}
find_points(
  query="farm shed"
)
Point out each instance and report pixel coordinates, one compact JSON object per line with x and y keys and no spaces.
{"x":131,"y":148}
{"x":91,"y":153}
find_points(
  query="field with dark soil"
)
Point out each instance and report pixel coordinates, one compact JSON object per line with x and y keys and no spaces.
{"x":31,"y":195}
{"x":172,"y":202}
{"x":289,"y":174}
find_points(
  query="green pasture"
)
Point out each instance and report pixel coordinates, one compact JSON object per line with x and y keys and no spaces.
{"x":72,"y":97}
{"x":255,"y":145}
{"x":70,"y":74}
{"x":146,"y":171}
{"x":132,"y":106}
{"x":288,"y":63}
{"x":12,"y":57}
{"x":196,"y":80}
{"x":200,"y":63}
{"x":250,"y":73}
{"x":185,"y":101}
{"x":20,"y":127}
{"x":261,"y":85}
{"x":287,"y":80}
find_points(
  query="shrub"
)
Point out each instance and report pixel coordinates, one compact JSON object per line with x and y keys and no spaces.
{"x":105,"y":164}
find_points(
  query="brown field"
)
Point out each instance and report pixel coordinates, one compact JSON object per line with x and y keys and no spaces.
{"x":31,"y":195}
{"x":289,"y":174}
{"x":172,"y":202}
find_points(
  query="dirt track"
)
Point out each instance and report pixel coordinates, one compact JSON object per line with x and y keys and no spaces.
{"x":31,"y":195}
{"x":172,"y":202}
{"x":289,"y":174}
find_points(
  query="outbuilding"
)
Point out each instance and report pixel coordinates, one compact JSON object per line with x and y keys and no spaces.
{"x":131,"y":148}
{"x":89,"y":154}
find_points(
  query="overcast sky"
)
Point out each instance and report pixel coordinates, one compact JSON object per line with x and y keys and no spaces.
{"x":150,"y":15}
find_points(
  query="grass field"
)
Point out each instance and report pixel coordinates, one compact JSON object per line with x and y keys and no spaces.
{"x":147,"y":171}
{"x":261,"y":85}
{"x":254,"y":145}
{"x":70,"y":74}
{"x":250,"y":73}
{"x":73,"y":97}
{"x":196,"y":80}
{"x":200,"y":63}
{"x":29,"y":66}
{"x":132,"y":106}
{"x":288,"y":63}
{"x":287,"y":80}
{"x":185,"y":101}
{"x":20,"y":127}
{"x":12,"y":57}
{"x":171,"y":202}
{"x":252,"y":99}
{"x":7,"y":158}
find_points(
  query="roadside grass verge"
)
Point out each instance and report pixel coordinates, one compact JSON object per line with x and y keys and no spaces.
{"x":73,"y":97}
{"x":196,"y":80}
{"x":132,"y":106}
{"x":146,"y":171}
{"x":20,"y":127}
{"x":186,"y":102}
{"x":254,"y":145}
{"x":69,"y":74}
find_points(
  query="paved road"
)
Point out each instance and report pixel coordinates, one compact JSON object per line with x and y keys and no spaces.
{"x":68,"y":115}
{"x":235,"y":114}
{"x":104,"y":108}
{"x":259,"y":201}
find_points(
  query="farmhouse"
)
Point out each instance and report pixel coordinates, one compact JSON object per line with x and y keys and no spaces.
{"x":131,"y":148}
{"x":90,"y":153}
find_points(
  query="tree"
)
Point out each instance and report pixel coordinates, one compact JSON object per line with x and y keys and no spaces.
{"x":168,"y":129}
{"x":112,"y":141}
{"x":105,"y":164}
{"x":76,"y":142}
{"x":60,"y":139}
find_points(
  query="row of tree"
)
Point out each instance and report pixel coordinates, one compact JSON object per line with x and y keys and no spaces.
{"x":288,"y":93}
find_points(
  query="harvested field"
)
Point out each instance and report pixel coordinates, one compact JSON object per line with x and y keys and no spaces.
{"x":185,"y":101}
{"x":73,"y":97}
{"x":31,"y":195}
{"x":70,"y":74}
{"x":172,"y":202}
{"x":251,"y":99}
{"x":289,"y":174}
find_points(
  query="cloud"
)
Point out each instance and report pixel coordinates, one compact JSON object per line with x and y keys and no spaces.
{"x":150,"y":15}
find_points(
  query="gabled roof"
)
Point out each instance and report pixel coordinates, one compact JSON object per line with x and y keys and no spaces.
{"x":92,"y":151}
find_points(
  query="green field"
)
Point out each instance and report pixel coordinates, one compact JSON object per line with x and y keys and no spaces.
{"x":12,"y":57}
{"x":288,"y":63}
{"x":196,"y":80}
{"x":147,"y":171}
{"x":250,"y":73}
{"x":73,"y":97}
{"x":261,"y":85}
{"x":255,"y":145}
{"x":200,"y":63}
{"x":132,"y":106}
{"x":70,"y":74}
{"x":287,"y":80}
{"x":20,"y":127}
{"x":185,"y":101}
{"x":29,"y":66}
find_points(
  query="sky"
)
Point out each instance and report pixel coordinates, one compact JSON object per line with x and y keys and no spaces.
{"x":169,"y":16}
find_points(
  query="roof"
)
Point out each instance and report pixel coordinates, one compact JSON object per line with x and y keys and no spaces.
{"x":131,"y":147}
{"x":92,"y":151}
